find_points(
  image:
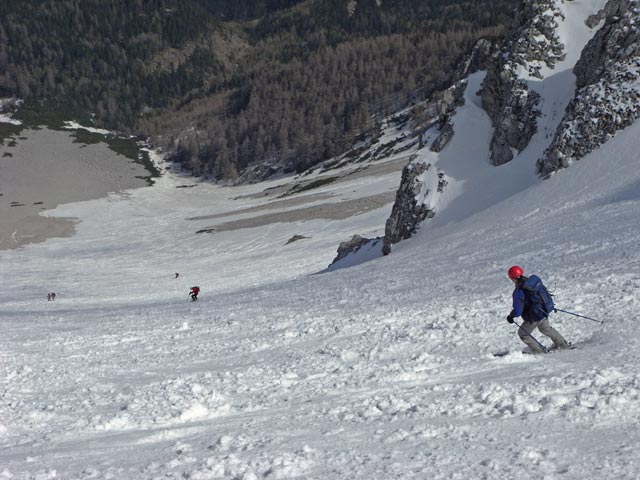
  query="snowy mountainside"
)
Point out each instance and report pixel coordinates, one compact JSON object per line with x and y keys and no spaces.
{"x":379,"y":371}
{"x":608,"y":95}
{"x":564,"y":84}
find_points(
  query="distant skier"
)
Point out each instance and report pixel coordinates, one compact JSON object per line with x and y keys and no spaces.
{"x":529,"y":298}
{"x":194,"y":293}
{"x":48,"y":297}
{"x":53,"y":296}
{"x":177,"y":275}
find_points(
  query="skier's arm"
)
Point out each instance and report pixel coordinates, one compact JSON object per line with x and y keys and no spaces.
{"x":518,"y":303}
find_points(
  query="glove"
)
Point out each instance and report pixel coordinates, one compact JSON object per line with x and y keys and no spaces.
{"x":510,"y":318}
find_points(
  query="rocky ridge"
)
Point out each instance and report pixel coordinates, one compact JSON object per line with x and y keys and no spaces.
{"x":420,"y":183}
{"x":507,"y":99}
{"x":608,"y":88}
{"x":607,"y":99}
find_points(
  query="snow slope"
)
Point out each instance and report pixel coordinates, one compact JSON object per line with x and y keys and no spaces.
{"x":379,"y":371}
{"x":473,"y":184}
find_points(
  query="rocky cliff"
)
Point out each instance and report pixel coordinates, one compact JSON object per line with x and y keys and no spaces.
{"x":608,"y":88}
{"x":507,"y":99}
{"x":421,"y":183}
{"x":526,"y":80}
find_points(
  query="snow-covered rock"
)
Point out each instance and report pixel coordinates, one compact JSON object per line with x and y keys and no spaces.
{"x":507,"y":98}
{"x":408,"y":211}
{"x":608,"y":95}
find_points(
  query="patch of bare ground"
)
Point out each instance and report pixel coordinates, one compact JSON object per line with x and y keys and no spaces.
{"x":333,"y":210}
{"x":48,"y":168}
{"x":328,"y":211}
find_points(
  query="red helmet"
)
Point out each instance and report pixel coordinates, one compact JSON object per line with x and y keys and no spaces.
{"x":515,"y":272}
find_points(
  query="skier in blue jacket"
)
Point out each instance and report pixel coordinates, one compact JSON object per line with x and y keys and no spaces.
{"x":531,"y":321}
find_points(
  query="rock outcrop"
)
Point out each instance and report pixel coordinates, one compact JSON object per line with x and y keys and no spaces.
{"x":607,"y":99}
{"x":512,"y":109}
{"x":352,"y":246}
{"x":407,"y":212}
{"x":421,"y":183}
{"x":608,"y":88}
{"x":445,"y":136}
{"x":507,"y":99}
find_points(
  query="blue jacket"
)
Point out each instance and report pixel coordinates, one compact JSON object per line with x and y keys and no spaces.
{"x":522,"y":304}
{"x":518,"y":302}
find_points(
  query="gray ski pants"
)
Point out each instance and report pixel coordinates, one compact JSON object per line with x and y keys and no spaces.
{"x":545,"y":329}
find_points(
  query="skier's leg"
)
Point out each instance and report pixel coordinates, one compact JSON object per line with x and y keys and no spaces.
{"x":528,"y":328}
{"x":546,"y":329}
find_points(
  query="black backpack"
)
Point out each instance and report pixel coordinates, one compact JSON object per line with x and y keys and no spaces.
{"x":539,"y":302}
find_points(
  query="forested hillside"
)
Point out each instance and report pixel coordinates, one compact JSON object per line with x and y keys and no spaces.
{"x":228,"y":85}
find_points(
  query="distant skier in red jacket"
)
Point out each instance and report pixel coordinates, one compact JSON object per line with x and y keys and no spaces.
{"x":194,"y":293}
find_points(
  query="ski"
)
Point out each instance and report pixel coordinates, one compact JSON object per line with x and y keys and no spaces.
{"x":501,"y":353}
{"x":552,"y":349}
{"x":504,"y":353}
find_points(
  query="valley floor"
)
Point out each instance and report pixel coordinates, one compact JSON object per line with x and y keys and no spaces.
{"x":44,"y":168}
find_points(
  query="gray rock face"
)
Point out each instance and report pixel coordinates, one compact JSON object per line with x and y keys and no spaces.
{"x":410,"y":207}
{"x":609,"y":9}
{"x":608,"y":89}
{"x":607,"y":99}
{"x":617,"y":41}
{"x":512,"y":108}
{"x":480,"y":58}
{"x":536,"y":41}
{"x":407,"y":212}
{"x":350,"y":246}
{"x":510,"y":104}
{"x":446,"y":134}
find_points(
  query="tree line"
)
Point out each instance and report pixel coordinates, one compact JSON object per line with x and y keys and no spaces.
{"x":228,"y":86}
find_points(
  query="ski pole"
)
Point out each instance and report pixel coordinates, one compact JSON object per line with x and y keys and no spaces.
{"x":544,"y":349}
{"x":576,"y":315}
